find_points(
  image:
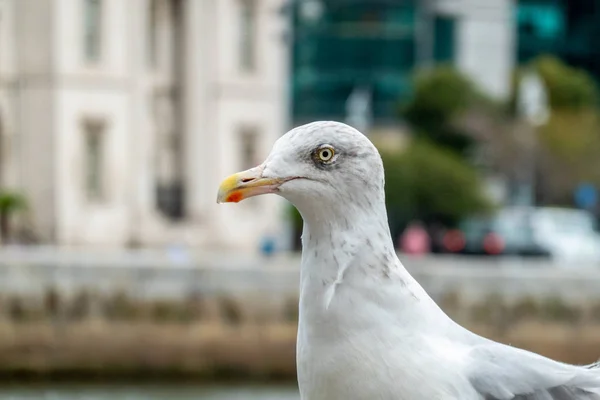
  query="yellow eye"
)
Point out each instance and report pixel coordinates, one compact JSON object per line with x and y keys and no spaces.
{"x":325,"y":154}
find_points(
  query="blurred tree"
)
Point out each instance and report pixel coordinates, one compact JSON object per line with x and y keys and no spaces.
{"x":569,"y":154}
{"x":430,"y":183}
{"x":568,"y":88}
{"x":10,"y":204}
{"x":441,"y":96}
{"x":569,"y":144}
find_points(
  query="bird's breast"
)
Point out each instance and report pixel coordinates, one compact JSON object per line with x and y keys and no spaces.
{"x":376,"y":365}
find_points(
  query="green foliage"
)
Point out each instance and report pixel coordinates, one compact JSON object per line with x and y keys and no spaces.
{"x":440,"y":93}
{"x":428,"y":182}
{"x":11,"y":202}
{"x":569,"y":143}
{"x":575,"y":138}
{"x":441,"y":96}
{"x":296,"y":220}
{"x":569,"y":148}
{"x":568,"y":88}
{"x":294,"y":215}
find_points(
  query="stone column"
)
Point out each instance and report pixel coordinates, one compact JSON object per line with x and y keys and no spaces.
{"x":199,"y":119}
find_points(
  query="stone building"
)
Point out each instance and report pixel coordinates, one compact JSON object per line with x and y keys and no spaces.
{"x":118,"y":119}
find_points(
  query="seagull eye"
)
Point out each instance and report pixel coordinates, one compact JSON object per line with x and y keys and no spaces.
{"x":325,"y":154}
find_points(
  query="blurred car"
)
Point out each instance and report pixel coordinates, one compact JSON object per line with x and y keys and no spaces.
{"x":570,"y":234}
{"x":508,"y":232}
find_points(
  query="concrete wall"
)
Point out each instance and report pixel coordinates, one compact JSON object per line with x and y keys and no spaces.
{"x":7,"y":39}
{"x":229,"y":311}
{"x":29,"y":111}
{"x":7,"y":93}
{"x":175,"y":276}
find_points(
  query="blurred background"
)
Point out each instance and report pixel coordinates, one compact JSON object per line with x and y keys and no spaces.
{"x":120,"y":277}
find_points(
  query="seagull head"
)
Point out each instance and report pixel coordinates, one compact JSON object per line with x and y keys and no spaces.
{"x":321,"y":167}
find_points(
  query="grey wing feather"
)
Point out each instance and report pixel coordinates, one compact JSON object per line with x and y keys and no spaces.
{"x":500,"y":372}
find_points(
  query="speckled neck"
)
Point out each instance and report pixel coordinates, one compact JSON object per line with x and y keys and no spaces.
{"x":336,"y":237}
{"x":352,"y":261}
{"x":363,"y":213}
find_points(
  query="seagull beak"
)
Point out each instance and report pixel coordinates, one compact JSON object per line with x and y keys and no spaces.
{"x":243,"y":185}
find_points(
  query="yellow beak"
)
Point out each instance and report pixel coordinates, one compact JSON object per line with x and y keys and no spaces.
{"x":243,"y":185}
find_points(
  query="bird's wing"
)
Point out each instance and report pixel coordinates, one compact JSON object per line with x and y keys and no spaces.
{"x":500,"y":372}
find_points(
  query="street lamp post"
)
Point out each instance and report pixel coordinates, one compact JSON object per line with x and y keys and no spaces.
{"x":425,"y":37}
{"x":358,"y":109}
{"x":533,"y":108}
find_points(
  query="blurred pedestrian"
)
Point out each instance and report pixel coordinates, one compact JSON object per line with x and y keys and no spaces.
{"x":415,"y":240}
{"x":267,"y":245}
{"x":437,"y":232}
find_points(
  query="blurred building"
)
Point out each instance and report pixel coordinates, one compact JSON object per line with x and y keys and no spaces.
{"x":118,"y":119}
{"x":343,"y":47}
{"x":568,"y":29}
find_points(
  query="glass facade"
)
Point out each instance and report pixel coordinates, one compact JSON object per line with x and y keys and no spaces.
{"x":444,"y":42}
{"x":341,"y":45}
{"x":247,"y":31}
{"x":568,"y":29}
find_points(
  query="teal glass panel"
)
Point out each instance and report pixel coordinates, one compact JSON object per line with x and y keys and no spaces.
{"x":444,"y":39}
{"x":568,"y":29}
{"x":354,"y":43}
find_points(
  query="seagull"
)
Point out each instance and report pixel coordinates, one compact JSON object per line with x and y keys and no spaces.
{"x":366,"y":329}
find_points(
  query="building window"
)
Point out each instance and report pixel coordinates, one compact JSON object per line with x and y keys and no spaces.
{"x":444,"y":39}
{"x":152,"y":33}
{"x":248,"y":145}
{"x":542,"y":28}
{"x":94,"y":160}
{"x":169,"y":165}
{"x":545,"y":21}
{"x":247,"y":41}
{"x":92,"y":29}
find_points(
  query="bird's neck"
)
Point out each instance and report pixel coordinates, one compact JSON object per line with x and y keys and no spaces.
{"x":345,"y":224}
{"x":350,"y":275}
{"x":340,"y":242}
{"x":365,"y":214}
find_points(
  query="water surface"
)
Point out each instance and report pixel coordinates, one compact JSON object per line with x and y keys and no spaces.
{"x":148,"y":392}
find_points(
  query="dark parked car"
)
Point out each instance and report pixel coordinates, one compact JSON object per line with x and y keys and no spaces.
{"x":506,"y":233}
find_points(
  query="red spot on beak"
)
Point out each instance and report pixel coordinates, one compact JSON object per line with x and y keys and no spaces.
{"x":235,"y":197}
